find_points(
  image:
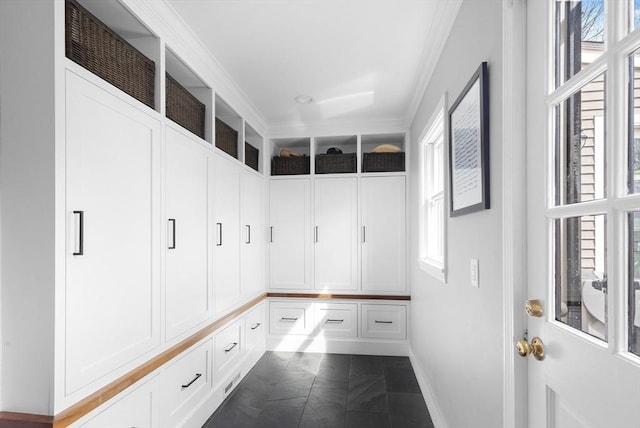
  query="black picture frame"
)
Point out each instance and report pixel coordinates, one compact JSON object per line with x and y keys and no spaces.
{"x":469,"y":146}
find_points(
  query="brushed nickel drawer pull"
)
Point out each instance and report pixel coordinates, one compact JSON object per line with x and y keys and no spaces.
{"x":334,"y":321}
{"x":255,"y":326}
{"x":287,"y":319}
{"x":193,"y":380}
{"x":384,"y":322}
{"x":231,"y":347}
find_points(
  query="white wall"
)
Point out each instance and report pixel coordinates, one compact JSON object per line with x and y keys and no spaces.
{"x":456,"y":330}
{"x":27,"y":208}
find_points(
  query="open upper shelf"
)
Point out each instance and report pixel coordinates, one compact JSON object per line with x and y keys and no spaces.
{"x":229,"y":129}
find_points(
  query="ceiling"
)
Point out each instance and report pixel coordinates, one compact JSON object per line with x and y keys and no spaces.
{"x":359,"y":60}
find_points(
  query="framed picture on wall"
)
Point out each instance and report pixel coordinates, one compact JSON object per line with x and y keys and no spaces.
{"x":469,"y":146}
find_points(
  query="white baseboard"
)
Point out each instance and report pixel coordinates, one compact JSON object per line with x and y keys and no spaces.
{"x":292,"y":343}
{"x":428,"y":394}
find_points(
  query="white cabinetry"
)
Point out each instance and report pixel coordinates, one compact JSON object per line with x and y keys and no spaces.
{"x":294,"y":317}
{"x":337,"y":319}
{"x":189,"y":299}
{"x":112,"y":254}
{"x":384,"y":321}
{"x":383,"y":234}
{"x":290,"y":220}
{"x":226,"y":254}
{"x":252,"y":234}
{"x":336,"y":234}
{"x":255,"y":327}
{"x":137,"y":407}
{"x":228,"y":349}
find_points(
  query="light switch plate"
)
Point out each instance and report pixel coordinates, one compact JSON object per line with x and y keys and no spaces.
{"x":475,"y":273}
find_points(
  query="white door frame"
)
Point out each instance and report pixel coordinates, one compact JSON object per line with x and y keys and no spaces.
{"x":514,"y":258}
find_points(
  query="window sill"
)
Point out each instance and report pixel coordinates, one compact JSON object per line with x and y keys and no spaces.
{"x":434,"y":269}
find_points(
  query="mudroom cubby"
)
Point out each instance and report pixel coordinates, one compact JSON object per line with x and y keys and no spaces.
{"x":188,"y":100}
{"x":335,"y":155}
{"x":291,"y":156}
{"x":229,"y":129}
{"x":378,"y":153}
{"x":110,"y":42}
{"x":253,"y":148}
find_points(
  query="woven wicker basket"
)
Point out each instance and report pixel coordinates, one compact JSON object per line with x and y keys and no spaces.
{"x":334,"y":164}
{"x":251,"y":156}
{"x":183,"y":108}
{"x":226,"y":138}
{"x":383,"y":162}
{"x":295,"y":165}
{"x":93,"y":45}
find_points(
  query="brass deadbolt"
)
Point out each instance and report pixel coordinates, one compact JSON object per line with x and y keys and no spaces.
{"x":536,"y":348}
{"x":533,"y":308}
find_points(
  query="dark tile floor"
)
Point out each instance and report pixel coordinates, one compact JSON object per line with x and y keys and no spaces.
{"x":325,"y":390}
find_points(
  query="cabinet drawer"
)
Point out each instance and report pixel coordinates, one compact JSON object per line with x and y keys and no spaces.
{"x":136,"y":408}
{"x":185,"y":382}
{"x":384,"y":321}
{"x":290,"y":317}
{"x":337,"y":319}
{"x":254,"y":327}
{"x":228,"y":348}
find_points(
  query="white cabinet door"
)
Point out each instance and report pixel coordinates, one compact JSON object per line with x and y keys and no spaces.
{"x":112,"y":294}
{"x":336,"y":234}
{"x":252,"y":234}
{"x":226,"y":254}
{"x":188,"y":286}
{"x":290,"y":234}
{"x":383,"y":234}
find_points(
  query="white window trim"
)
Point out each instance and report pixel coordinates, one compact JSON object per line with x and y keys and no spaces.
{"x":437,"y":124}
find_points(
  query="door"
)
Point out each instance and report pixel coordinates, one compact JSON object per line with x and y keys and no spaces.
{"x":583,"y":211}
{"x":112,"y":290}
{"x":226,"y":253}
{"x":336,"y":234}
{"x":383,"y":234}
{"x":290,"y":234}
{"x":252,"y":234}
{"x":189,"y":289}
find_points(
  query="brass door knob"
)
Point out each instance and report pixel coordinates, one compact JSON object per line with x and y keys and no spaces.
{"x":533,"y":308}
{"x":536,"y":347}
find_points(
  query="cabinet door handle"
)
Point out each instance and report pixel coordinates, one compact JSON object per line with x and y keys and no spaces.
{"x":192,"y":380}
{"x":316,"y":235}
{"x":383,"y":322}
{"x":271,"y":234}
{"x":79,"y":233}
{"x":364,"y":234}
{"x":219,"y":226}
{"x":334,"y":321}
{"x":172,"y":232}
{"x":288,"y":319}
{"x":233,"y":345}
{"x":255,"y":326}
{"x":248,"y":241}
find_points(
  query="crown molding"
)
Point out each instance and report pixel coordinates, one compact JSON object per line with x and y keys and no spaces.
{"x":446,"y":12}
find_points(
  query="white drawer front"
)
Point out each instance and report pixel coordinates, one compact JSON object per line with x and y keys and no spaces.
{"x":137,"y":408}
{"x":337,"y":319}
{"x":384,"y":321}
{"x":228,"y":348}
{"x":290,"y":318}
{"x":254,"y":327}
{"x":185,"y":382}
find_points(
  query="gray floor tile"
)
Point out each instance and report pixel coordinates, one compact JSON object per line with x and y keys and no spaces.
{"x":366,"y":365}
{"x":281,"y":414}
{"x":408,"y":411}
{"x":401,"y":380}
{"x":367,"y":393}
{"x":335,"y":367}
{"x":325,"y":408}
{"x":293,"y":384}
{"x":309,"y":362}
{"x":397,"y":362}
{"x":368,"y":420}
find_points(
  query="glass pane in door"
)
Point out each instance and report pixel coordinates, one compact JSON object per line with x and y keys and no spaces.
{"x":634,"y":282}
{"x":634,"y":14}
{"x":580,"y":166}
{"x":633,"y":177}
{"x":579,"y":36}
{"x":580,"y":273}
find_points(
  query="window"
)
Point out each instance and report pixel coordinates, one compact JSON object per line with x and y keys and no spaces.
{"x":432,"y":196}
